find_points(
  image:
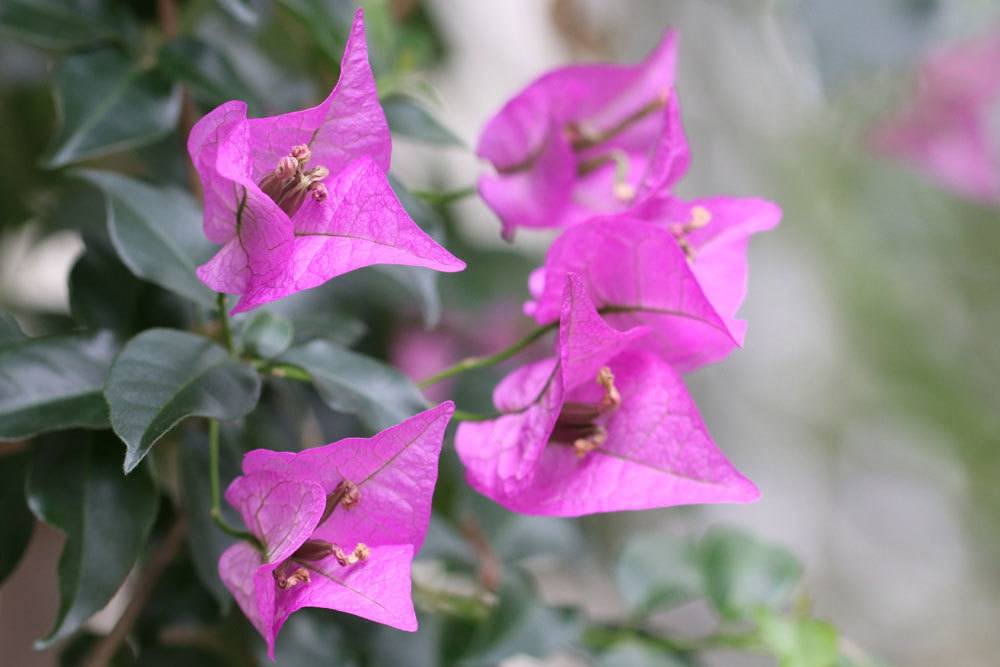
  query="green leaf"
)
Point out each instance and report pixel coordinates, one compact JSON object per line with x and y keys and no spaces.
{"x":350,"y":382}
{"x":207,"y":71}
{"x":10,"y":330}
{"x":742,"y":573}
{"x":103,"y":293}
{"x":798,"y":642}
{"x":60,"y":24}
{"x":53,"y":383}
{"x":267,"y":335}
{"x":328,"y":23}
{"x":520,"y":625}
{"x":76,"y":485}
{"x":637,"y":654}
{"x":165,"y":375}
{"x":311,"y":637}
{"x":156,"y":233}
{"x":206,"y":541}
{"x":336,"y":326}
{"x":420,"y":282}
{"x":106,"y":103}
{"x":658,"y":570}
{"x":407,"y":118}
{"x":17,"y":524}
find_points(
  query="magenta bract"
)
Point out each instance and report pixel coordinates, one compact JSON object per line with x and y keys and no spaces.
{"x":585,"y":140}
{"x":339,"y":525}
{"x":302,"y":197}
{"x":602,"y":426}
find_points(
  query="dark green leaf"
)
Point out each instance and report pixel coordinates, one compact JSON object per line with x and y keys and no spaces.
{"x":328,"y":22}
{"x":17,"y":523}
{"x":156,"y":232}
{"x":407,"y":118}
{"x":206,"y":71}
{"x":420,"y":282}
{"x":10,"y":331}
{"x":76,"y":485}
{"x":742,"y":573}
{"x":59,"y":24}
{"x":311,"y":637}
{"x":520,"y":625}
{"x":106,"y":103}
{"x":206,"y":541}
{"x":103,"y":293}
{"x":350,"y":382}
{"x":798,"y":642}
{"x":267,"y":335}
{"x":338,"y":327}
{"x":658,"y":570}
{"x":48,"y":384}
{"x":165,"y":375}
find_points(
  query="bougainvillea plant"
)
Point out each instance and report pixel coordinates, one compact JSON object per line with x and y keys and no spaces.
{"x":233,"y":309}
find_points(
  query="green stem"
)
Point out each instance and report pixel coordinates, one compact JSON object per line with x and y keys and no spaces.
{"x":227,"y":332}
{"x":216,"y":512}
{"x":444,"y":198}
{"x":472,"y":363}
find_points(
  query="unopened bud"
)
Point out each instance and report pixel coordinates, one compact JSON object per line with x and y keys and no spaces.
{"x":301,"y":153}
{"x":287,"y":166}
{"x":318,"y":191}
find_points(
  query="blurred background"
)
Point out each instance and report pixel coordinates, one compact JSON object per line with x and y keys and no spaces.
{"x":866,"y":403}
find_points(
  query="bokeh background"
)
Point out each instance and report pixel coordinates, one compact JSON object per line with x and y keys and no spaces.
{"x":866,"y":403}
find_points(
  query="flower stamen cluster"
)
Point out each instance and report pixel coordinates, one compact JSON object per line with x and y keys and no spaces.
{"x":289,"y":183}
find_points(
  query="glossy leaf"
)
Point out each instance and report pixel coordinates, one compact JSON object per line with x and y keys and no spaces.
{"x":520,"y":625}
{"x":207,"y":72}
{"x":53,"y":383}
{"x":75,"y":484}
{"x":165,"y":375}
{"x":156,"y":233}
{"x":103,"y":293}
{"x":407,"y":118}
{"x":59,"y":24}
{"x":106,"y":103}
{"x":743,"y":574}
{"x":420,"y":283}
{"x":657,"y":570}
{"x":17,"y":524}
{"x":350,"y":382}
{"x":267,"y":335}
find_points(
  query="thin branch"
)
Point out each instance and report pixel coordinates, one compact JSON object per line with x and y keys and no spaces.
{"x":163,"y":555}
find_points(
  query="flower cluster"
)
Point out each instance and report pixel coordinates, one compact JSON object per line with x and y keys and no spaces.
{"x":641,"y":287}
